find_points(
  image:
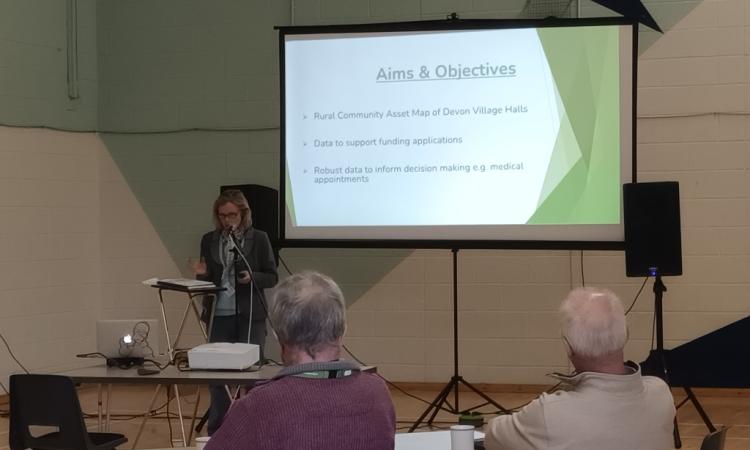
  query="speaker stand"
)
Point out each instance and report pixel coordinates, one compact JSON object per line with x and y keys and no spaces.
{"x":660,"y":356}
{"x":456,"y":380}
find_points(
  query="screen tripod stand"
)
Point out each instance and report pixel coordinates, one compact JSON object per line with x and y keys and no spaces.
{"x":456,"y":380}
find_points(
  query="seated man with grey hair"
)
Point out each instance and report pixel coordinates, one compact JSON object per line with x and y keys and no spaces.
{"x":317,"y":401}
{"x":606,"y":404}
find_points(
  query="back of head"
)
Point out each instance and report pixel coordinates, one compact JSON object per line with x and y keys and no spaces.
{"x":593,"y":322}
{"x":308,"y":312}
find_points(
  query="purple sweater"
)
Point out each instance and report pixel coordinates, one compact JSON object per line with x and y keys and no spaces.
{"x":296,"y":413}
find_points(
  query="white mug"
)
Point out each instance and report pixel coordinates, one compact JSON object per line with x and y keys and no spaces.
{"x":462,"y":437}
{"x":201,"y":441}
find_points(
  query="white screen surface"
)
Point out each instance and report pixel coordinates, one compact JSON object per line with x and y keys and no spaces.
{"x":496,"y":134}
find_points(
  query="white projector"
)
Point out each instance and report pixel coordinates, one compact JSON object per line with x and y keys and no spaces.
{"x":223,"y":356}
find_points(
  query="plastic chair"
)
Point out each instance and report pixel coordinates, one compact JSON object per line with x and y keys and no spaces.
{"x":51,"y":401}
{"x":715,"y":440}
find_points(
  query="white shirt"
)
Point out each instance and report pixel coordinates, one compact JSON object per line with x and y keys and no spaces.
{"x":597,"y":411}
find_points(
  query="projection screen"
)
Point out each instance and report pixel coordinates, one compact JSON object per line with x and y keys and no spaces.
{"x":457,"y":134}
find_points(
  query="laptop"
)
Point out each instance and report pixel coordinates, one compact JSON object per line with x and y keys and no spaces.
{"x":128,"y":338}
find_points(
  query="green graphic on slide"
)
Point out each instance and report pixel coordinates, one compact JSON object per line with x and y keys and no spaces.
{"x":583,"y":176}
{"x":289,"y":197}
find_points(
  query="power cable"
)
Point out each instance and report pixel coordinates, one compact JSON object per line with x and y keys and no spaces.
{"x":636,"y":296}
{"x":12,"y":355}
{"x":583,"y":276}
{"x":390,"y":383}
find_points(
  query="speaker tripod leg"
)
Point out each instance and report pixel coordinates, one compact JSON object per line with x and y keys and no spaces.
{"x":676,"y":433}
{"x":699,"y":408}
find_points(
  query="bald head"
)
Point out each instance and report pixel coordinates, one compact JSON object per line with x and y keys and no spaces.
{"x":593,"y":322}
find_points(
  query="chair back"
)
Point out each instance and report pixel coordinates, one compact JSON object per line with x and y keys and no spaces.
{"x":715,"y":439}
{"x":45,"y":400}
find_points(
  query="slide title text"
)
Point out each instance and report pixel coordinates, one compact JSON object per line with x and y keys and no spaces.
{"x":445,"y":72}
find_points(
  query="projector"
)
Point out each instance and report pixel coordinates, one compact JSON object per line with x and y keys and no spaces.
{"x":223,"y":356}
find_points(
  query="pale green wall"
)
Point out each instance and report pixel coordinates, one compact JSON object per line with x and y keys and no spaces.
{"x":174,"y":64}
{"x":171,"y":66}
{"x":33,"y":65}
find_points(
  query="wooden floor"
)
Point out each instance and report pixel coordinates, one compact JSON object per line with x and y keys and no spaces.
{"x":724,"y":407}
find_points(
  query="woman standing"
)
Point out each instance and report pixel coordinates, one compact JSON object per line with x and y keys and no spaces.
{"x":234,"y":317}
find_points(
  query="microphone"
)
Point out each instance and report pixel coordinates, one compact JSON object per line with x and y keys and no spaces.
{"x":241,"y":264}
{"x":230,"y":233}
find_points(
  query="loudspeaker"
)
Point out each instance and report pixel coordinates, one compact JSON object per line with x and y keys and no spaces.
{"x":264,"y":207}
{"x":653,"y":241}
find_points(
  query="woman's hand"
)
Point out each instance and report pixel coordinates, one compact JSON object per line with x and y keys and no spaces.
{"x":244,"y":277}
{"x":198,"y":267}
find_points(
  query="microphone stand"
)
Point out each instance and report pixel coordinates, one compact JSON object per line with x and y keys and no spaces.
{"x":236,"y":290}
{"x":236,"y":249}
{"x":254,"y":286}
